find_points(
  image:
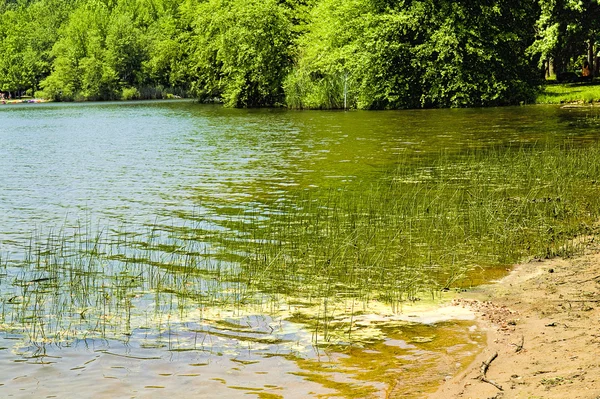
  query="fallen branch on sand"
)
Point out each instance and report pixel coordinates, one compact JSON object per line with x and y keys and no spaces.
{"x":486,"y":365}
{"x":484,"y":369}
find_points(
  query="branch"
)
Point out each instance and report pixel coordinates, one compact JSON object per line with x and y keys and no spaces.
{"x":484,"y":369}
{"x":486,"y":365}
{"x":483,"y":379}
{"x":519,"y":347}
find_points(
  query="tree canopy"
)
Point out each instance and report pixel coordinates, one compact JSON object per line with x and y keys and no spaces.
{"x":567,"y":30}
{"x":384,"y":54}
{"x":372,"y":54}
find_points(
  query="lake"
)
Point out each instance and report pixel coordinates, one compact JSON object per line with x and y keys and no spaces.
{"x":175,"y":248}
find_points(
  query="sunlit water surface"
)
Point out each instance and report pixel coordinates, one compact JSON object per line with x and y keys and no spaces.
{"x":118,"y":246}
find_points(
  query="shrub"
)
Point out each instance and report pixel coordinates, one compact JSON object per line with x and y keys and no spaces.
{"x":130,"y":93}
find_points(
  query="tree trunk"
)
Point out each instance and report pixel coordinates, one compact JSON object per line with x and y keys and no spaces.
{"x":590,"y":56}
{"x":550,"y":67}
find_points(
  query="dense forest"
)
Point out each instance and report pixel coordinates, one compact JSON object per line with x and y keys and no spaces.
{"x":370,"y":54}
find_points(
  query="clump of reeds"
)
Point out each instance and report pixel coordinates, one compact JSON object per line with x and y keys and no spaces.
{"x":417,"y":231}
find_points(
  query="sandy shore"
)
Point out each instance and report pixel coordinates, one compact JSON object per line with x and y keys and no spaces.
{"x":543,"y":322}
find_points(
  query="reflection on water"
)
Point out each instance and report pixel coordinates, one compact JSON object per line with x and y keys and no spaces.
{"x":177,"y":247}
{"x":143,"y":163}
{"x":108,"y":369}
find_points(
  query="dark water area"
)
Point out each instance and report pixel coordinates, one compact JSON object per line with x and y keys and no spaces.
{"x":159,"y":248}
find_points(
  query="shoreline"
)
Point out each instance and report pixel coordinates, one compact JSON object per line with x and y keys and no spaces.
{"x":543,"y":322}
{"x":561,"y":104}
{"x":22,"y":101}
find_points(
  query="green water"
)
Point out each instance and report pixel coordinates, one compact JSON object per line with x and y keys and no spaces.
{"x":268,"y":252}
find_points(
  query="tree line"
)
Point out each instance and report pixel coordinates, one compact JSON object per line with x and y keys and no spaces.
{"x":370,"y":54}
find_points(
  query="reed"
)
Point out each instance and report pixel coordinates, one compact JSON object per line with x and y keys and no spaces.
{"x":322,"y":257}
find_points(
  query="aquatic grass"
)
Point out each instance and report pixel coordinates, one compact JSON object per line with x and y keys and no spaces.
{"x":321,"y":257}
{"x":495,"y":208}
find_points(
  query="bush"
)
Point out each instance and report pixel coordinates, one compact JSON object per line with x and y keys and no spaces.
{"x":130,"y":93}
{"x":384,"y":54}
{"x":242,"y":52}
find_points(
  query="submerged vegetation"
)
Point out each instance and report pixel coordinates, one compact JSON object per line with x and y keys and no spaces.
{"x":323,"y":258}
{"x":370,"y":54}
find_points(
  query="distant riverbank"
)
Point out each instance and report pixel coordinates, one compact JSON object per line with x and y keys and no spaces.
{"x":23,"y":101}
{"x":569,"y":93}
{"x":553,"y":93}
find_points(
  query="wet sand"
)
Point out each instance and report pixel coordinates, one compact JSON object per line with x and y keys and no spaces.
{"x":543,"y":322}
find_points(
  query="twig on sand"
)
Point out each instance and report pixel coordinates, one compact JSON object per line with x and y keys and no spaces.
{"x":484,"y":369}
{"x":483,"y":379}
{"x":519,"y":347}
{"x":589,"y":279}
{"x":575,"y":300}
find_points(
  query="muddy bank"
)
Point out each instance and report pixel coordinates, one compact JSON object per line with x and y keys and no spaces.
{"x":543,"y":322}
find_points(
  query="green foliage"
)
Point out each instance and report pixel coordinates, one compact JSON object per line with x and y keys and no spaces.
{"x":413,"y":54}
{"x":476,"y":49}
{"x":130,"y":93}
{"x":79,"y":70}
{"x":565,"y":29}
{"x":372,"y":54}
{"x":241,"y":52}
{"x":167,"y":62}
{"x":327,"y":54}
{"x":103,"y":48}
{"x":27,"y":33}
{"x":125,"y":50}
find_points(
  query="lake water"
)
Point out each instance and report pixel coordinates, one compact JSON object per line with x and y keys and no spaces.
{"x":171,"y":248}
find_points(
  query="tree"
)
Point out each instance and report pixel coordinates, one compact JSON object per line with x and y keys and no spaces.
{"x":241,"y":52}
{"x":373,"y":54}
{"x":566,"y":29}
{"x":169,"y":48}
{"x":379,"y":54}
{"x":474,"y":51}
{"x":27,"y":33}
{"x":78,"y":68}
{"x":100,"y":51}
{"x":126,"y":49}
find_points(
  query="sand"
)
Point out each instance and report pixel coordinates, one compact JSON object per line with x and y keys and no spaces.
{"x":543,"y":321}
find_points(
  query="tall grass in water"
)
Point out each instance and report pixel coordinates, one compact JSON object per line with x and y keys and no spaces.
{"x":428,"y":224}
{"x":424,"y":228}
{"x":419,"y":230}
